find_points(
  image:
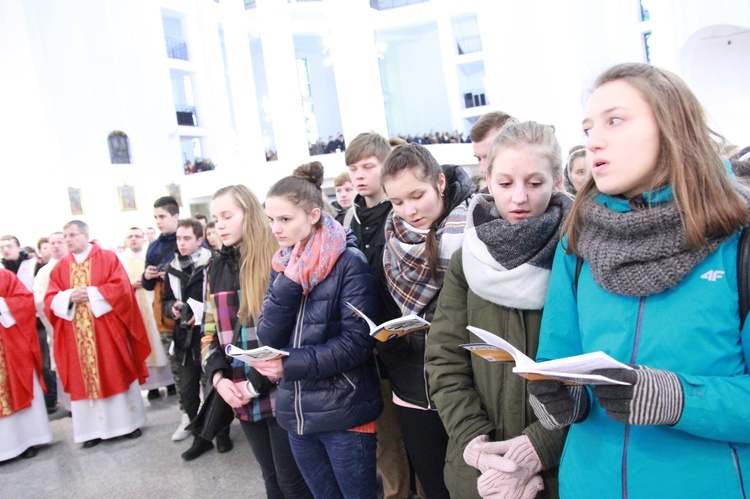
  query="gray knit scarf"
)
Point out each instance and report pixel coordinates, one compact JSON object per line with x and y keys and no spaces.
{"x":509,"y":264}
{"x":530,"y":241}
{"x":640,"y":253}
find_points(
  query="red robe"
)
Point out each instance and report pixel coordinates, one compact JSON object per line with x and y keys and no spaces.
{"x":20,"y":354}
{"x":98,"y":357}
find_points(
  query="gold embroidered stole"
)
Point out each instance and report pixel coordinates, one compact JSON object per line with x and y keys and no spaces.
{"x":83,"y":330}
{"x":6,"y":409}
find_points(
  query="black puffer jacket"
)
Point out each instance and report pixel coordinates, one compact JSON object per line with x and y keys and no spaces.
{"x":368,"y":225}
{"x":330,"y":382}
{"x":405,"y":356}
{"x":180,"y":284}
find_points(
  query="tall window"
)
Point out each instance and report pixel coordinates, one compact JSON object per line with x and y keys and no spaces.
{"x":645,"y":15}
{"x":647,"y":45}
{"x":303,"y":75}
{"x":308,"y":109}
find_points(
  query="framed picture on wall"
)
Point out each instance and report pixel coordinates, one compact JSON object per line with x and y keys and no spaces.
{"x":126,"y":194}
{"x":174,"y":191}
{"x":74,"y":196}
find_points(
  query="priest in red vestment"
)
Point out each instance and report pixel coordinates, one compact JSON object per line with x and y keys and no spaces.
{"x":23,"y":415}
{"x":100,"y":342}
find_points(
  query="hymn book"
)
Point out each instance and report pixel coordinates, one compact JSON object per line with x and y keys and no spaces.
{"x":394,"y":328}
{"x":575,"y":370}
{"x":255,"y":354}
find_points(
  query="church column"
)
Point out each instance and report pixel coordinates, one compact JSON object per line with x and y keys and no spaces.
{"x":283,"y":83}
{"x":355,"y":67}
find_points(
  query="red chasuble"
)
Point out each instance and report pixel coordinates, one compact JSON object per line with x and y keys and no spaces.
{"x":20,"y":355}
{"x":98,"y":357}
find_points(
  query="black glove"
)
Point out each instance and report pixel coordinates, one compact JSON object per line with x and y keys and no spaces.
{"x":653,"y":397}
{"x":557,"y":405}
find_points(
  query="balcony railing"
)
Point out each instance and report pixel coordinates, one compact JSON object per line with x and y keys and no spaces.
{"x":176,"y":49}
{"x":186,"y":116}
{"x":469,"y":44}
{"x":393,"y":4}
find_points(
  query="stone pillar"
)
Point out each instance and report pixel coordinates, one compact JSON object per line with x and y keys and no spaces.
{"x":355,"y":66}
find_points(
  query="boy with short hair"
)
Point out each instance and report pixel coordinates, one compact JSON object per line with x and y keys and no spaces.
{"x":483,"y":132}
{"x":344,"y":195}
{"x":186,"y":279}
{"x":364,"y":157}
{"x":158,"y":255}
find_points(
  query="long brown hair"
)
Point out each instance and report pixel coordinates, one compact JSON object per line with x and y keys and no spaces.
{"x":689,"y":160}
{"x":426,"y":168}
{"x":256,"y":249}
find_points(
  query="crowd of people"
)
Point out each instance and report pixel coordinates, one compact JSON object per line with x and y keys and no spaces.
{"x":339,"y":145}
{"x":200,"y":165}
{"x":454,"y":137}
{"x":330,"y":146}
{"x":631,"y":244}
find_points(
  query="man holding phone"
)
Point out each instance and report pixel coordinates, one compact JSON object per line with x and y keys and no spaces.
{"x":158,"y":256}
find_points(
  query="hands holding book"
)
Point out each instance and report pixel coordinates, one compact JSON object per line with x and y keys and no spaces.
{"x":651,"y":397}
{"x":271,"y":369}
{"x":654,"y":396}
{"x":557,"y":405}
{"x":510,"y":469}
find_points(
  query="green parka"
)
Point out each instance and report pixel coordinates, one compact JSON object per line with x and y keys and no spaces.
{"x":476,"y":397}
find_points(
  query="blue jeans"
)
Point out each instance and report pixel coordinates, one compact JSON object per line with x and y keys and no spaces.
{"x":337,"y":464}
{"x":270,"y":446}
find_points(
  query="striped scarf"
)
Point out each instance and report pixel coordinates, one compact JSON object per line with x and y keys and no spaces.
{"x":410,"y":281}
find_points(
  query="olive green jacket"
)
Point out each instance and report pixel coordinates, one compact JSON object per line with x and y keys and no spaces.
{"x":477,"y":397}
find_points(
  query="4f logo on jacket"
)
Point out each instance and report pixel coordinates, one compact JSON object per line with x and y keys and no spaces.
{"x":713,"y":275}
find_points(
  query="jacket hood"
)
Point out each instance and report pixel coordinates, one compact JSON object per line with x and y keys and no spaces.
{"x":459,"y":185}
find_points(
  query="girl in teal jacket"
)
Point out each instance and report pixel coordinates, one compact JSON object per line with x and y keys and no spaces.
{"x":657,"y":230}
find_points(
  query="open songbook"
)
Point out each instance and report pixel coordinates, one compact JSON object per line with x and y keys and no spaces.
{"x":394,"y":328}
{"x":255,"y":354}
{"x":574,"y":370}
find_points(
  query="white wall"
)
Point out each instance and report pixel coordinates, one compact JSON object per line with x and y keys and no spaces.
{"x":689,"y":37}
{"x":79,"y":70}
{"x":718,"y":57}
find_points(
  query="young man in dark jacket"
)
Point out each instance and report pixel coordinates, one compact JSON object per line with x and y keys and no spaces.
{"x":185,"y":281}
{"x":158,"y":254}
{"x":364,"y":158}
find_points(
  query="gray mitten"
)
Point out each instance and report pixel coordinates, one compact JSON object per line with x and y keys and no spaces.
{"x":653,"y":396}
{"x":557,"y":405}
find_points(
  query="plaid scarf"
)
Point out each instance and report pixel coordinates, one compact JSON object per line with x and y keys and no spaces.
{"x":410,"y":281}
{"x":319,"y":255}
{"x":222,"y":305}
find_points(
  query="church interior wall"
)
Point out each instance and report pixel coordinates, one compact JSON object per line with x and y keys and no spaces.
{"x":79,"y":71}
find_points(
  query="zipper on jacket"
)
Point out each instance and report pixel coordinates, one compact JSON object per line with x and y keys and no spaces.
{"x":424,"y":374}
{"x":349,"y":380}
{"x":737,"y":468}
{"x":633,"y":356}
{"x":297,"y":343}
